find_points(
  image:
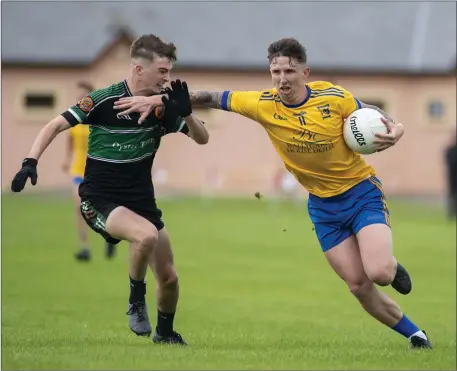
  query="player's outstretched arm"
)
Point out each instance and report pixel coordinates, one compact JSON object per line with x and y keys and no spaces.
{"x":210,"y":99}
{"x":245,"y":103}
{"x":47,"y":135}
{"x":42,"y":141}
{"x":145,"y":105}
{"x":242,"y":102}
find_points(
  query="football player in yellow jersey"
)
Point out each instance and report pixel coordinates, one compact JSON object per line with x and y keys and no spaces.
{"x":347,"y":206}
{"x":74,"y":164}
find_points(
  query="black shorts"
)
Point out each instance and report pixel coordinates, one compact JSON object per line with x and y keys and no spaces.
{"x":95,"y":211}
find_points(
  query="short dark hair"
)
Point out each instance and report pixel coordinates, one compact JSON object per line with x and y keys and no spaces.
{"x":149,"y":46}
{"x":86,"y":86}
{"x":288,"y":47}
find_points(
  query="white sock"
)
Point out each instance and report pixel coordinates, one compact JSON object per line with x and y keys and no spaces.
{"x":420,"y":334}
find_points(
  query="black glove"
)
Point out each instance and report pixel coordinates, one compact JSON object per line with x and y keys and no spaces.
{"x":28,"y":170}
{"x":169,"y":115}
{"x":178,"y":98}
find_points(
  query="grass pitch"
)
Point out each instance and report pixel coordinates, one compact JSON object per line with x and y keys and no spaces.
{"x":256,"y":292}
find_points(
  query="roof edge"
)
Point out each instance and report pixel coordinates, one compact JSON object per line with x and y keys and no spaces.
{"x":235,"y":68}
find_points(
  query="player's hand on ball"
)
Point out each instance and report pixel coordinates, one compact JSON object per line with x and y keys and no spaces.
{"x":142,"y":105}
{"x":394,"y":132}
{"x":28,"y":170}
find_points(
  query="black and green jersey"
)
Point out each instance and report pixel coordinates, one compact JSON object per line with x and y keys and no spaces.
{"x":120,"y":152}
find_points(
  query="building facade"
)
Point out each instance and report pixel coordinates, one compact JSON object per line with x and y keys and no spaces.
{"x":239,"y":159}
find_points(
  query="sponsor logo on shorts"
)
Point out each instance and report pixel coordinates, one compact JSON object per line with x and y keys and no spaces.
{"x":88,"y":211}
{"x":95,"y":219}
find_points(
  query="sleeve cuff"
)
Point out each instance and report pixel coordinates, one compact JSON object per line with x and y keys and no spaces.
{"x":358,"y":104}
{"x":224,"y":100}
{"x":72,"y":120}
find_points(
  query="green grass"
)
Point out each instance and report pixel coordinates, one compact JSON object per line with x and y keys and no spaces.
{"x":253,"y":296}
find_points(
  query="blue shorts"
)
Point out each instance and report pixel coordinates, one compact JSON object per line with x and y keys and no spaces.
{"x":337,"y":218}
{"x":77,"y":180}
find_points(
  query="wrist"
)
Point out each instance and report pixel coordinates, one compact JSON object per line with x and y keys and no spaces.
{"x":156,"y":100}
{"x":30,"y":161}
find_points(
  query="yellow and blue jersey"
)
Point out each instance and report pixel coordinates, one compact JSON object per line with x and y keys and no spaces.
{"x":80,"y":136}
{"x":308,"y":136}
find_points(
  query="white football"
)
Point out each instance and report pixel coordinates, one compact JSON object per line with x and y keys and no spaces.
{"x":359,"y":130}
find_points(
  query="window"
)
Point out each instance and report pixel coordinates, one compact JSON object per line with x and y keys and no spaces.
{"x":39,"y":100}
{"x":436,"y":109}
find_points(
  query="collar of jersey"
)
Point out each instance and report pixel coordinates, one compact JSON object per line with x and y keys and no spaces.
{"x":301,"y":103}
{"x":127,"y":88}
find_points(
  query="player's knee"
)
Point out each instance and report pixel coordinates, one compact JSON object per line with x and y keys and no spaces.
{"x":382,"y":275}
{"x":147,"y":240}
{"x":360,"y":288}
{"x":168,"y":279}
